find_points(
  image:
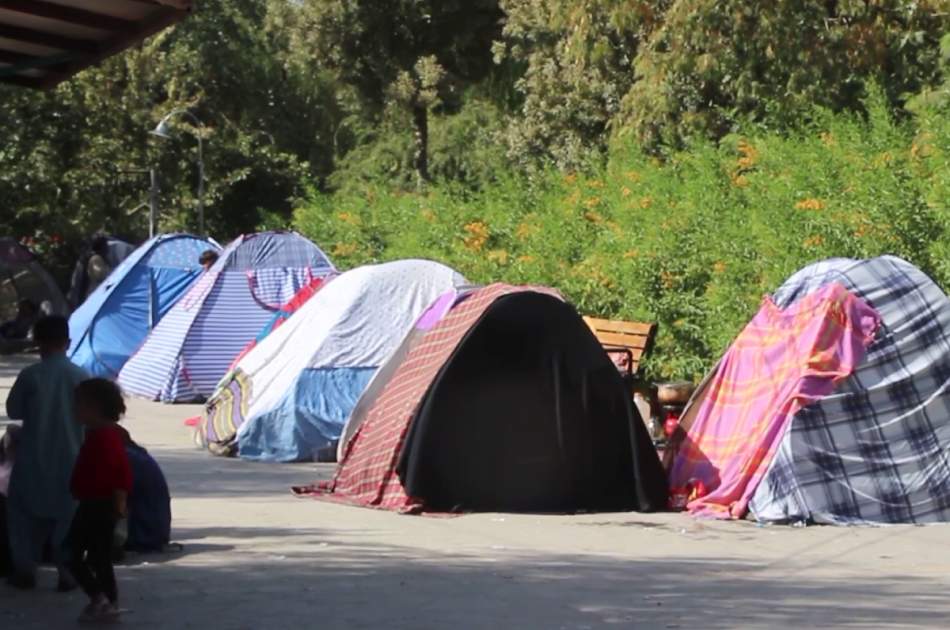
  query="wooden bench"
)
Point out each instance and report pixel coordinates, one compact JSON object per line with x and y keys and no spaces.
{"x":631,"y":339}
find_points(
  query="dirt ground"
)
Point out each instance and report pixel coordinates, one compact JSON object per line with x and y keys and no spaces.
{"x":253,"y":556}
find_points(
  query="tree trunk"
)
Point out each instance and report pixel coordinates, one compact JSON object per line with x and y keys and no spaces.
{"x":420,"y":118}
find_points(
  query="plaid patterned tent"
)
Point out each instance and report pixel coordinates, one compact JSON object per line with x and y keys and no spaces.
{"x":369,"y":471}
{"x":783,"y":360}
{"x":877,"y":450}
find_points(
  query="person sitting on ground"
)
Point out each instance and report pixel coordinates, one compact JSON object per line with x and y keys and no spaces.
{"x":97,"y":267}
{"x":7,"y":455}
{"x":39,"y":505}
{"x":150,"y":515}
{"x":20,"y":326}
{"x":101,"y":482}
{"x":208,"y":258}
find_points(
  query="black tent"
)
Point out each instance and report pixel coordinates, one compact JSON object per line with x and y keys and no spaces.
{"x":525,"y":413}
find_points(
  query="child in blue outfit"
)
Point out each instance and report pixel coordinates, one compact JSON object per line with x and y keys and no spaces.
{"x":39,"y":504}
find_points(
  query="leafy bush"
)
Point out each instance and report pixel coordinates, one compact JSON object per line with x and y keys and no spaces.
{"x":692,"y":242}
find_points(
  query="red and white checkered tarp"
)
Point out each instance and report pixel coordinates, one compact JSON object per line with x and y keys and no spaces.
{"x":366,"y":475}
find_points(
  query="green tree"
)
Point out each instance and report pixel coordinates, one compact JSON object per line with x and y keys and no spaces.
{"x":577,"y":58}
{"x":73,"y":157}
{"x":936,"y":97}
{"x":416,"y":54}
{"x":715,"y":64}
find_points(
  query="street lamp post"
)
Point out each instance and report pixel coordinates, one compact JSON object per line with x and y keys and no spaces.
{"x":152,"y":201}
{"x":163,"y":130}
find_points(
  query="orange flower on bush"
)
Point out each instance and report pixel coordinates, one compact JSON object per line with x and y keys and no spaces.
{"x":477,"y":235}
{"x":645,"y":202}
{"x":345,"y":249}
{"x":719,"y":266}
{"x":525,"y":259}
{"x":813,"y":241}
{"x":591,"y":202}
{"x":633,"y":176}
{"x":748,"y":155}
{"x":810,"y":204}
{"x":921,"y":148}
{"x":499,"y":256}
{"x":524,"y":230}
{"x":346,"y":217}
{"x":600,"y":278}
{"x":593,"y":217}
{"x":625,"y":192}
{"x":595,"y":183}
{"x":428,"y":214}
{"x":739,"y":181}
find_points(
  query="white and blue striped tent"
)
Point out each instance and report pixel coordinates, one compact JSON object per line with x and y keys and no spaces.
{"x":191,"y":349}
{"x":292,"y":394}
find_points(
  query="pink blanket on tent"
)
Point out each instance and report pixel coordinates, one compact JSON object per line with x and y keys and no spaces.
{"x":780,"y":362}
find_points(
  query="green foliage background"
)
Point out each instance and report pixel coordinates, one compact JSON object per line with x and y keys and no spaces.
{"x":692,"y":241}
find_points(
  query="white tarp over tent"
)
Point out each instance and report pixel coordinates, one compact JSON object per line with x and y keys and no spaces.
{"x":292,"y":393}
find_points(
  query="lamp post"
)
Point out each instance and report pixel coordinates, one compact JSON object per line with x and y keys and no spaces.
{"x":163,"y":130}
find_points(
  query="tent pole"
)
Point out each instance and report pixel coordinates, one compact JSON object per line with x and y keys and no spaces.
{"x":152,"y":202}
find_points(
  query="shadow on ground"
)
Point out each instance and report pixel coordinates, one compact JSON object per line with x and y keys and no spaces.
{"x":375,"y":586}
{"x":192,"y":473}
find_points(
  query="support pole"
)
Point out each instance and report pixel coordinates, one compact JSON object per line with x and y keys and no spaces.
{"x":152,"y":202}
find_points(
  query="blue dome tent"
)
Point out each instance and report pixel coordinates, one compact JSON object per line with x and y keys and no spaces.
{"x":117,"y":317}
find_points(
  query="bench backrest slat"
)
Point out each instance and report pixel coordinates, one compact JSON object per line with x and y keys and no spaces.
{"x":634,"y":336}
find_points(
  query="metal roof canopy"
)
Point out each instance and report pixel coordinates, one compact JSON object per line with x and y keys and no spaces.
{"x":44,"y":42}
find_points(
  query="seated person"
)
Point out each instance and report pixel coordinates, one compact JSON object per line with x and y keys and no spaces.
{"x":97,"y":267}
{"x":208,"y":258}
{"x":150,"y":517}
{"x":7,"y":444}
{"x":20,"y":326}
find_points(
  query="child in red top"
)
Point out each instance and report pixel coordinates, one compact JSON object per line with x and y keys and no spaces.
{"x":102,"y":479}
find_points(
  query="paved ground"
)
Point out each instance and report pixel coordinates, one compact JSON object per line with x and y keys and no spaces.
{"x":255,"y":557}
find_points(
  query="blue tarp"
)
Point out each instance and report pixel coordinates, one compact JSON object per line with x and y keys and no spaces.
{"x":116,"y":318}
{"x":150,"y":513}
{"x":307,"y":420}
